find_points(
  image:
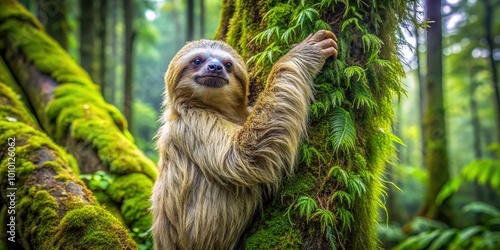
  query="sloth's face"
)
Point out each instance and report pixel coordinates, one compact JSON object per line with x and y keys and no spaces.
{"x":211,"y":70}
{"x":212,"y":74}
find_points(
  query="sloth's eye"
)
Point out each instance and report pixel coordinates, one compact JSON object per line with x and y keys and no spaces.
{"x":228,"y":65}
{"x":197,"y":61}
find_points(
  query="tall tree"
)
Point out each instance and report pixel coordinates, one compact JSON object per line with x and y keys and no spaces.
{"x":87,"y":36}
{"x":489,"y":25}
{"x":189,"y":20}
{"x":202,"y":18}
{"x":129,"y":40}
{"x":114,"y":52}
{"x":333,"y":199}
{"x":103,"y":14}
{"x":435,"y":127}
{"x":53,"y":16}
{"x":421,"y":86}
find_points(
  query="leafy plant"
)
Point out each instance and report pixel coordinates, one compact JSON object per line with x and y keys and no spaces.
{"x":99,"y":180}
{"x":439,"y":236}
{"x":484,"y":171}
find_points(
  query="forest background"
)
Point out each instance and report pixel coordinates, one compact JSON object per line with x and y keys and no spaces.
{"x":126,"y":46}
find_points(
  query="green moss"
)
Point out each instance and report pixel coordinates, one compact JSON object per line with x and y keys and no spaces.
{"x":86,"y":228}
{"x":129,"y":189}
{"x":275,"y":233}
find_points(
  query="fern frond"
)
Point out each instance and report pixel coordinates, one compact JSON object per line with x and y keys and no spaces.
{"x":355,"y":185}
{"x":337,"y":97}
{"x":371,"y":45}
{"x":306,"y":206}
{"x":339,"y":174}
{"x":342,"y":197}
{"x":363,"y":97}
{"x":352,"y":71}
{"x":342,"y":130}
{"x":272,"y":32}
{"x":306,"y":14}
{"x":345,"y":217}
{"x":326,"y":218}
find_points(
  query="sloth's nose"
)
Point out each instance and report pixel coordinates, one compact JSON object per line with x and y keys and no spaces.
{"x":215,"y":67}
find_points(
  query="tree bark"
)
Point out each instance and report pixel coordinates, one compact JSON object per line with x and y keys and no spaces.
{"x":129,"y":52}
{"x":42,"y":196}
{"x":72,"y":111}
{"x":103,"y":69}
{"x":189,"y":20}
{"x":202,"y":18}
{"x":435,"y":127}
{"x":114,"y":53}
{"x":88,"y":56}
{"x":52,"y":14}
{"x":489,"y":25}
{"x":421,"y":91}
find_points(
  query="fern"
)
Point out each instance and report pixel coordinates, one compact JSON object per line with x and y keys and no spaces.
{"x":343,"y":198}
{"x":352,"y":71}
{"x":372,"y":45}
{"x":346,"y":218}
{"x":306,"y":14}
{"x":363,"y":97}
{"x":309,"y":152}
{"x":339,"y":174}
{"x":326,"y":218}
{"x":306,"y":206}
{"x":355,"y":185}
{"x":343,"y":132}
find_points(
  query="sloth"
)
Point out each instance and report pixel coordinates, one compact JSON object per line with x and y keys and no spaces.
{"x":218,"y":158}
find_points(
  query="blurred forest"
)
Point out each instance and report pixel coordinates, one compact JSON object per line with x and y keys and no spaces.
{"x":442,"y":184}
{"x":128,"y":39}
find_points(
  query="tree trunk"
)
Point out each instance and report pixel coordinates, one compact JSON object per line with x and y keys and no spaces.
{"x":435,"y":127}
{"x":421,"y":91}
{"x":114,"y":53}
{"x":45,"y":204}
{"x":129,"y":52}
{"x":189,"y":20}
{"x":72,"y":112}
{"x":202,"y":18}
{"x":103,"y":69}
{"x":226,"y":14}
{"x":327,"y":172}
{"x":87,"y":37}
{"x":52,"y":14}
{"x":489,"y":25}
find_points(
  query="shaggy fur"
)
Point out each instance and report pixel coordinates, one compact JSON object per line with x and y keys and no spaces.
{"x":216,"y":158}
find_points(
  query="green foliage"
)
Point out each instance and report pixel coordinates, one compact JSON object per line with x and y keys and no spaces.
{"x":343,"y":132}
{"x":434,"y":235}
{"x":99,"y":181}
{"x":306,"y":206}
{"x":483,"y":171}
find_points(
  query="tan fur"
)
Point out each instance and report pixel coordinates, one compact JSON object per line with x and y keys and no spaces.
{"x":215,"y":158}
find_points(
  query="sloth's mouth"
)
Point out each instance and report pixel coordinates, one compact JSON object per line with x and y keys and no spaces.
{"x":211,"y":81}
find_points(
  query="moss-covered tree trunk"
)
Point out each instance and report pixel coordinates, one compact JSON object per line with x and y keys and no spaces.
{"x":44,"y":203}
{"x":335,"y":195}
{"x":435,"y":127}
{"x":73,"y":113}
